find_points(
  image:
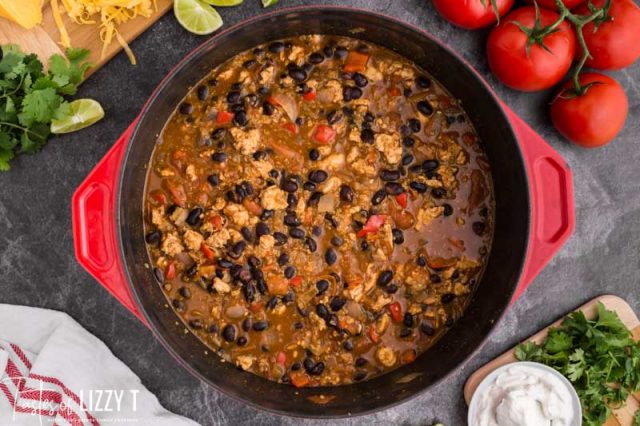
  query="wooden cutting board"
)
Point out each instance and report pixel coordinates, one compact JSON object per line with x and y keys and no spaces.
{"x":43,"y":39}
{"x":622,"y":416}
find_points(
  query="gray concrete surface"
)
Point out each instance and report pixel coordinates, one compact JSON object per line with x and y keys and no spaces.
{"x":38,"y":267}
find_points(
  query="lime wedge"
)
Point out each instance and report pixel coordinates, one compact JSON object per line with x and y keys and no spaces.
{"x":197,"y":17}
{"x":223,"y":3}
{"x":267,"y":3}
{"x":82,"y":113}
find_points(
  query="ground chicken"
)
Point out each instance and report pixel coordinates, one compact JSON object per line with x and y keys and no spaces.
{"x":171,"y":245}
{"x":193,"y":239}
{"x":390,"y":146}
{"x":237,"y":214}
{"x":247,"y":142}
{"x":221,"y":286}
{"x":273,"y":198}
{"x":427,"y":214}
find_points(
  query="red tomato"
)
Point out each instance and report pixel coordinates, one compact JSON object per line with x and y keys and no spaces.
{"x":402,"y":199}
{"x":224,"y":117}
{"x":615,"y":43}
{"x":324,"y":134}
{"x":538,"y":68}
{"x":596,"y":117}
{"x":471,"y":14}
{"x":551,"y":4}
{"x":310,"y":96}
{"x":373,"y":225}
{"x":396,"y":311}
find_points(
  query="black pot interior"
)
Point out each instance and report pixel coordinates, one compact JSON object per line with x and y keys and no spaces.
{"x":494,"y":291}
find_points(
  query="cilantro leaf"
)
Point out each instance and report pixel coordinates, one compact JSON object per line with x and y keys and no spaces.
{"x":31,"y":98}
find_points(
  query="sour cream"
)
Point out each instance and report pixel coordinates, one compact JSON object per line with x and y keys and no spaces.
{"x":525,"y":394}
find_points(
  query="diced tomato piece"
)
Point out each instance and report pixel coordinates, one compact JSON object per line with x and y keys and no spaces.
{"x":408,"y":356}
{"x":291,"y":127}
{"x":373,"y":334}
{"x":394,"y":91}
{"x":281,"y":358}
{"x":324,"y":134}
{"x":402,"y":200}
{"x":310,"y":96}
{"x":256,"y":307}
{"x":395,"y":309}
{"x":356,"y":61}
{"x":224,"y":117}
{"x":295,"y":281}
{"x":439,"y":262}
{"x":373,"y":225}
{"x":216,"y":221}
{"x":299,"y":379}
{"x":171,"y":271}
{"x":208,"y":253}
{"x":272,"y":101}
{"x":159,"y":197}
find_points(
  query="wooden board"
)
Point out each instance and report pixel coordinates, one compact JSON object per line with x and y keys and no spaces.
{"x":43,"y":39}
{"x":622,"y":416}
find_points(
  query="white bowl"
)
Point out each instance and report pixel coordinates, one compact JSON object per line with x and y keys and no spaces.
{"x":491,"y":377}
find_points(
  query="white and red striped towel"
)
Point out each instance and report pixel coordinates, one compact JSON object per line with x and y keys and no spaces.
{"x":54,"y":372}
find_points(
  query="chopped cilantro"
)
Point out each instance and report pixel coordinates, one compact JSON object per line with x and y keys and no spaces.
{"x":31,"y":98}
{"x":598,"y":356}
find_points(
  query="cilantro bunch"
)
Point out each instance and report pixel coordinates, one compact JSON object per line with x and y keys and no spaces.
{"x":31,"y":98}
{"x":599,"y":358}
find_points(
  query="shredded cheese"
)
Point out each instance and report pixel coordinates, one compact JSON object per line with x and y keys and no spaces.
{"x":110,"y":13}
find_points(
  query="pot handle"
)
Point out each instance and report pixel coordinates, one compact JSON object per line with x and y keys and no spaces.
{"x":93,"y":211}
{"x":552,"y":204}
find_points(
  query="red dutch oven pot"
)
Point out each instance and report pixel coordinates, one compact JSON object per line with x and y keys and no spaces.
{"x":532,"y":186}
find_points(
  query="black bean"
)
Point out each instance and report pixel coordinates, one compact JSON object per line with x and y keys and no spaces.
{"x":314,"y":154}
{"x":447,"y":298}
{"x":407,"y":159}
{"x":414,"y":125}
{"x":253,"y":261}
{"x":316,"y":58}
{"x":218,"y":134}
{"x":311,"y":244}
{"x":407,"y":92}
{"x":246,"y":324}
{"x":276,"y":47}
{"x":153,"y":237}
{"x":289,"y":272}
{"x":438,"y":192}
{"x":405,"y":332}
{"x":272,"y":303}
{"x":157,"y":272}
{"x":378,"y":197}
{"x":407,"y":319}
{"x":360,"y":80}
{"x":408,"y":141}
{"x":184,"y":292}
{"x":316,"y":230}
{"x":427,"y":329}
{"x":298,"y":325}
{"x":384,"y":278}
{"x":430,"y":165}
{"x":289,"y":297}
{"x":317,"y":369}
{"x":196,"y":324}
{"x":389,"y":175}
{"x":478,"y":228}
{"x":281,"y":239}
{"x":242,"y":340}
{"x":233,"y":97}
{"x":318,"y":176}
{"x":186,"y":108}
{"x":249,"y":63}
{"x":240,"y":118}
{"x":298,"y":74}
{"x":350,"y":93}
{"x":283,"y":259}
{"x":224,"y":263}
{"x":337,"y":241}
{"x":314,"y":199}
{"x":333,"y":117}
{"x":219,"y":157}
{"x":296,"y":233}
{"x":364,"y":245}
{"x":213,"y":179}
{"x":309,"y":186}
{"x":203,"y":93}
{"x":237,"y":249}
{"x":348,"y":345}
{"x":423,"y":82}
{"x":419,"y":187}
{"x":391,"y":288}
{"x":267,"y":108}
{"x":179,"y":305}
{"x":260,"y":325}
{"x":261,"y":286}
{"x":398,"y":236}
{"x":262,"y":229}
{"x":340,"y":52}
{"x":337,"y":303}
{"x":435,"y":278}
{"x":393,"y":188}
{"x":367,"y":136}
{"x":322,"y":286}
{"x":290,"y":219}
{"x":346,"y":193}
{"x":330,"y":256}
{"x":229,"y":332}
{"x":245,"y":275}
{"x":359,"y":376}
{"x":425,"y":108}
{"x":448,"y":210}
{"x":194,"y":218}
{"x":361,"y":362}
{"x":322,"y":311}
{"x":213,"y":329}
{"x":266,"y":214}
{"x":449,"y":322}
{"x":289,"y":186}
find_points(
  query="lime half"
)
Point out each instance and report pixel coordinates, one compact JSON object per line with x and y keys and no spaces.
{"x":82,"y":113}
{"x":197,"y":17}
{"x":267,"y":3}
{"x":223,"y":3}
